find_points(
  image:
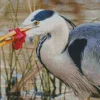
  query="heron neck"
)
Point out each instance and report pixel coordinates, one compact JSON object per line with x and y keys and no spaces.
{"x":60,"y":38}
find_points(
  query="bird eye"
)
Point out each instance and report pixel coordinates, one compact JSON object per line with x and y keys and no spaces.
{"x":36,"y":22}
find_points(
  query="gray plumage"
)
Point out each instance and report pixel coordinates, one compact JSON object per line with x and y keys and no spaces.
{"x":90,"y":59}
{"x":91,"y":53}
{"x":73,"y":57}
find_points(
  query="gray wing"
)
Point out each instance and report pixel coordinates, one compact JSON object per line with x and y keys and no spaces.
{"x":84,"y":50}
{"x":91,"y":61}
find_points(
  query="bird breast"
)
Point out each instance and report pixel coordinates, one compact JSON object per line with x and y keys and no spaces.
{"x":62,"y":67}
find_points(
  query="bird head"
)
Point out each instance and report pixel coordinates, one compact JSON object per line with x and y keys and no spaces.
{"x":40,"y":22}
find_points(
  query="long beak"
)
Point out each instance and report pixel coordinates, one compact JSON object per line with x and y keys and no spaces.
{"x":9,"y":37}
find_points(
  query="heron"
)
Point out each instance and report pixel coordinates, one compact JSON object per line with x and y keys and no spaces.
{"x":71,"y":56}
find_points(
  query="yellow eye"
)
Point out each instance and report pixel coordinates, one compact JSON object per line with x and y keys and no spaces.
{"x":36,"y":22}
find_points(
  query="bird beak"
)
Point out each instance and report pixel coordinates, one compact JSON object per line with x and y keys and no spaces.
{"x":9,"y":37}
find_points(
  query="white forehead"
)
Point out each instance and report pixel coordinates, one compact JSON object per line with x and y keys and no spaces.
{"x":28,"y":21}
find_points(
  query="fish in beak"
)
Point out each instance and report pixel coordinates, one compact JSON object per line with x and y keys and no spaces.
{"x":16,"y":36}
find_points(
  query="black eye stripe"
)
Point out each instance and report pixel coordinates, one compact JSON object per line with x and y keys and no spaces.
{"x":42,"y":15}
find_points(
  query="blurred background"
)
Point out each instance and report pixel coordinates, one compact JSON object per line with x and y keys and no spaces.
{"x":22,"y":77}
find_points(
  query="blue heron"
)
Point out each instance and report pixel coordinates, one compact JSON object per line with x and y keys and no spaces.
{"x":73,"y":57}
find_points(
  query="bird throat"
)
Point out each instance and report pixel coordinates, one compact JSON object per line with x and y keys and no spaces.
{"x":39,"y":46}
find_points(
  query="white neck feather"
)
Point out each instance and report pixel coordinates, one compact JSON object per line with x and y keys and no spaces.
{"x":55,"y":45}
{"x":60,"y":37}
